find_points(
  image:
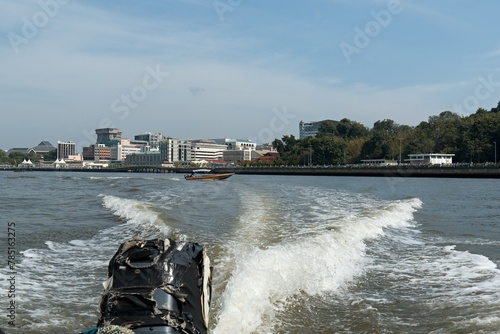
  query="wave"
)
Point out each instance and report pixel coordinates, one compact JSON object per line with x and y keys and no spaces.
{"x":142,"y":219}
{"x":325,"y":262}
{"x":57,"y":274}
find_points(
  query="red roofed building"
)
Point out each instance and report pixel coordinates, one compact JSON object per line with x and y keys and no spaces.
{"x":269,"y":156}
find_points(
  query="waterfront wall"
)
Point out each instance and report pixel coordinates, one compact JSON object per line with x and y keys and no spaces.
{"x":386,"y":171}
{"x":389,"y":171}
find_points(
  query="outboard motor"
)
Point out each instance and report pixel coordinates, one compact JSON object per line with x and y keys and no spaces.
{"x":158,"y":286}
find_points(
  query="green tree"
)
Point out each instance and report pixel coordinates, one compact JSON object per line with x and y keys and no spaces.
{"x":327,"y":128}
{"x":328,"y":150}
{"x":351,"y":129}
{"x":378,"y":146}
{"x":387,"y":126}
{"x":4,"y":159}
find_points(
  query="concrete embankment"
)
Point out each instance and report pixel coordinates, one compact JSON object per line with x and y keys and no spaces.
{"x":389,"y":171}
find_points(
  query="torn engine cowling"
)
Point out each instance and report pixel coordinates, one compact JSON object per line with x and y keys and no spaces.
{"x":158,"y":286}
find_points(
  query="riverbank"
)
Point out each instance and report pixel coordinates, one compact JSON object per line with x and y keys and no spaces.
{"x":458,"y":171}
{"x":386,"y":171}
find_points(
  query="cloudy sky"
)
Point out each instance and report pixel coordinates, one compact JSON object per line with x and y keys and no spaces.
{"x":238,"y":68}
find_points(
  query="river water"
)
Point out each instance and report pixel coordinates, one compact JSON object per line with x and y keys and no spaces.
{"x":291,"y":254}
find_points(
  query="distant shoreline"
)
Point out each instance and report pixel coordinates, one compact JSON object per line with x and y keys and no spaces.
{"x":367,"y":171}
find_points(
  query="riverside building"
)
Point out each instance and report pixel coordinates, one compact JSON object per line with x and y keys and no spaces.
{"x":65,"y":149}
{"x":430,"y":159}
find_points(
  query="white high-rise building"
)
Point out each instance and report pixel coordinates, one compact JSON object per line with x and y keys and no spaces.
{"x":65,"y":149}
{"x":175,"y":150}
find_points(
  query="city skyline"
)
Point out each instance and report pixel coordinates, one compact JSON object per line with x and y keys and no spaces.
{"x":238,"y":69}
{"x":129,"y":138}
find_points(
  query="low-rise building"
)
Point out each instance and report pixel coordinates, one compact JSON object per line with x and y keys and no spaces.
{"x":126,"y":147}
{"x":23,"y":150}
{"x":269,"y":157}
{"x":74,"y":158}
{"x":379,"y":162}
{"x":42,"y":148}
{"x":97,"y":152}
{"x":207,"y":150}
{"x":430,"y":159}
{"x":237,"y":155}
{"x":145,"y":158}
{"x":236,"y":144}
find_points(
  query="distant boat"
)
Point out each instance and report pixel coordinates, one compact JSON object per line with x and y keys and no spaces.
{"x":206,"y":175}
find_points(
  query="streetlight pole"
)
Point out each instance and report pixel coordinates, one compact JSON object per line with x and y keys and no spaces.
{"x":495,"y":152}
{"x":310,"y":155}
{"x":400,"y":151}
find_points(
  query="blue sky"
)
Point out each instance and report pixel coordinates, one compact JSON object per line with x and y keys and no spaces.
{"x":195,"y":69}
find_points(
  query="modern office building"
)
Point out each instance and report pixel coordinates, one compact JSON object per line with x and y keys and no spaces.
{"x":310,"y":129}
{"x":170,"y":151}
{"x":97,"y":152}
{"x":65,"y":149}
{"x":154,"y":139}
{"x":175,"y":150}
{"x":206,"y":150}
{"x":108,"y":136}
{"x":236,"y":144}
{"x":126,"y":147}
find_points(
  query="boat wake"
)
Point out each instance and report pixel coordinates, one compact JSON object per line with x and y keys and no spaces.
{"x":316,"y":264}
{"x":142,"y":219}
{"x":58,"y":273}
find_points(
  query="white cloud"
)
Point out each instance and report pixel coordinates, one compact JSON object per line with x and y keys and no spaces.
{"x":492,"y":54}
{"x":221,"y":83}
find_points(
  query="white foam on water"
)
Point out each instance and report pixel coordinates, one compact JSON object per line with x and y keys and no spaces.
{"x":252,"y":222}
{"x":109,"y":177}
{"x":328,"y":206}
{"x":175,"y":179}
{"x":165,"y":199}
{"x":449,"y":276}
{"x":142,"y":218}
{"x":251,"y":229}
{"x":318,"y":263}
{"x":56,"y":276}
{"x":59,"y":274}
{"x":463,"y":278}
{"x":422,"y":270}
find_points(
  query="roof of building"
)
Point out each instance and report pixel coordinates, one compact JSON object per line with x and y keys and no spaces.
{"x":208,"y":141}
{"x":432,"y":154}
{"x":18,"y":149}
{"x":319,"y":122}
{"x":43,"y":147}
{"x":45,"y":143}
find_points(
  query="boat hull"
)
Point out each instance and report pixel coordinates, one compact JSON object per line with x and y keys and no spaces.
{"x":208,"y":177}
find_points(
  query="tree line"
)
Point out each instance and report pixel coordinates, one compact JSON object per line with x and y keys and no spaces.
{"x":471,"y":138}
